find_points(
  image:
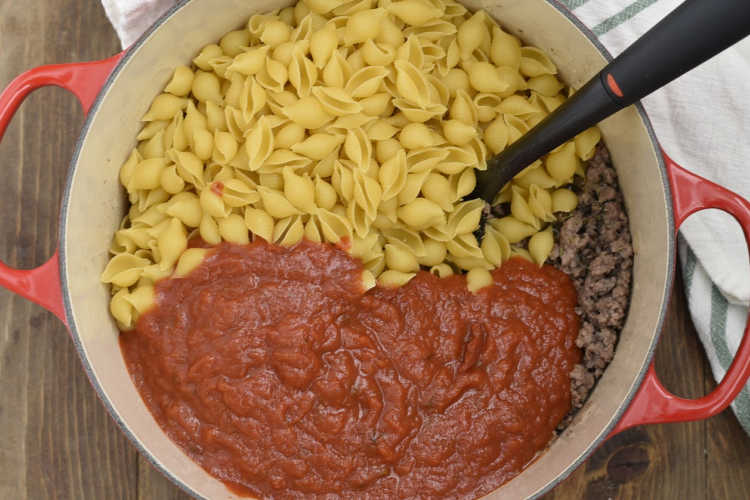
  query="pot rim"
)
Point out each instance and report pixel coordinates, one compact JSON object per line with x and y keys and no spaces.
{"x":124,"y":427}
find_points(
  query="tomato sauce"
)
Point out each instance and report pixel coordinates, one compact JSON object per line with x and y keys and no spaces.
{"x":274,"y":371}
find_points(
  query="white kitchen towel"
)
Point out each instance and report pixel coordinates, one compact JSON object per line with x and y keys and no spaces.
{"x":131,"y":18}
{"x":700,"y":121}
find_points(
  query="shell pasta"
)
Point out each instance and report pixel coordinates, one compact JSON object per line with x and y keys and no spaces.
{"x":358,"y":122}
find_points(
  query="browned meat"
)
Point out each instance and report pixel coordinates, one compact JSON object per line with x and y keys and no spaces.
{"x":595,"y":249}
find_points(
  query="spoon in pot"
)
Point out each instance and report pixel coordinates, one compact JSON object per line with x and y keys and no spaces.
{"x":694,"y":32}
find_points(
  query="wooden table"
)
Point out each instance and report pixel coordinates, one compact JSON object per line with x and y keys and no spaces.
{"x":57,"y":440}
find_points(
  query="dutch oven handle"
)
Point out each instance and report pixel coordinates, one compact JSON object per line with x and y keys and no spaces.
{"x":42,"y":284}
{"x":653,"y":403}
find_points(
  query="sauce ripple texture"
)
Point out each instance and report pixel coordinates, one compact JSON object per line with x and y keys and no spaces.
{"x":275,"y":372}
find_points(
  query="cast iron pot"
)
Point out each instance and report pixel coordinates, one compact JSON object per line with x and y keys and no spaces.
{"x":116,"y":92}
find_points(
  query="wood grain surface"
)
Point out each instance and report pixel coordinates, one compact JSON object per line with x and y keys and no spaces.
{"x":56,"y":439}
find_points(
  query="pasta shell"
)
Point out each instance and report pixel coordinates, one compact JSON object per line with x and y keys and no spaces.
{"x":377,"y":54}
{"x":312,"y":231}
{"x":516,"y":127}
{"x":225,"y":147}
{"x":273,"y":75}
{"x":190,"y":168}
{"x":411,"y":83}
{"x":253,"y":98}
{"x":299,"y":190}
{"x":333,"y":227}
{"x":153,"y":148}
{"x":171,"y":243}
{"x":392,"y":175}
{"x":392,"y":278}
{"x":325,"y":167}
{"x":344,"y":124}
{"x":302,"y":73}
{"x":442,"y":270}
{"x":366,"y":81}
{"x":497,"y":135}
{"x":171,"y":182}
{"x":308,"y":112}
{"x":463,"y":108}
{"x":466,"y":216}
{"x":288,"y":231}
{"x":513,"y":229}
{"x":562,"y":163}
{"x":367,"y":193}
{"x":423,"y":160}
{"x":233,"y":229}
{"x":412,"y":187}
{"x":540,"y":245}
{"x":377,"y":104}
{"x":421,"y":213}
{"x":418,"y":114}
{"x":359,"y":220}
{"x":519,"y":208}
{"x":251,"y":61}
{"x":351,"y":7}
{"x":209,"y":230}
{"x":437,"y":188}
{"x":343,"y":181}
{"x":534,"y":62}
{"x":336,"y":101}
{"x":259,"y":144}
{"x":208,"y":52}
{"x":463,"y":183}
{"x":535,"y":174}
{"x":164,"y":107}
{"x":564,"y":200}
{"x":317,"y":146}
{"x":505,"y":49}
{"x":281,"y":158}
{"x":186,"y":207}
{"x":464,"y":245}
{"x":259,"y":223}
{"x":337,"y":71}
{"x":364,"y":24}
{"x":477,"y":147}
{"x":472,"y":33}
{"x":586,"y":142}
{"x":414,"y":12}
{"x":456,"y":160}
{"x":238,"y":194}
{"x":124,"y":270}
{"x":406,"y":238}
{"x":399,"y":258}
{"x":380,"y":130}
{"x":275,"y":204}
{"x":540,"y":203}
{"x":478,"y":278}
{"x":323,"y":44}
{"x":358,"y":147}
{"x":495,"y":247}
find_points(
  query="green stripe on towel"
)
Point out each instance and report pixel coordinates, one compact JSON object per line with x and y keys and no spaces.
{"x":573,"y":4}
{"x":719,"y":308}
{"x":628,"y":12}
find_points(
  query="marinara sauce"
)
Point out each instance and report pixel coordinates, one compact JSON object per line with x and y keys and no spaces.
{"x":274,"y":371}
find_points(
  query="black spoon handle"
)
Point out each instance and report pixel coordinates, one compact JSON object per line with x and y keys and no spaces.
{"x":694,"y":32}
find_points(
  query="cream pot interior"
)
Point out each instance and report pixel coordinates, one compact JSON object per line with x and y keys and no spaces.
{"x":95,"y":204}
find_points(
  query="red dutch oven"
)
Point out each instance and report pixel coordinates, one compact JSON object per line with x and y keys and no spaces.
{"x":116,"y":92}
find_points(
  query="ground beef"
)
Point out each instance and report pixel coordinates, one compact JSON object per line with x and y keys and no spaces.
{"x":594,"y":247}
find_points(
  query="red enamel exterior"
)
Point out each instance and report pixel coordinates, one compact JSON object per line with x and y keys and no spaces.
{"x":84,"y":80}
{"x":653,"y":403}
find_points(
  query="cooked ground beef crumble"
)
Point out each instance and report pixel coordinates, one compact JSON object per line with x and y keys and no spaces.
{"x":594,"y":248}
